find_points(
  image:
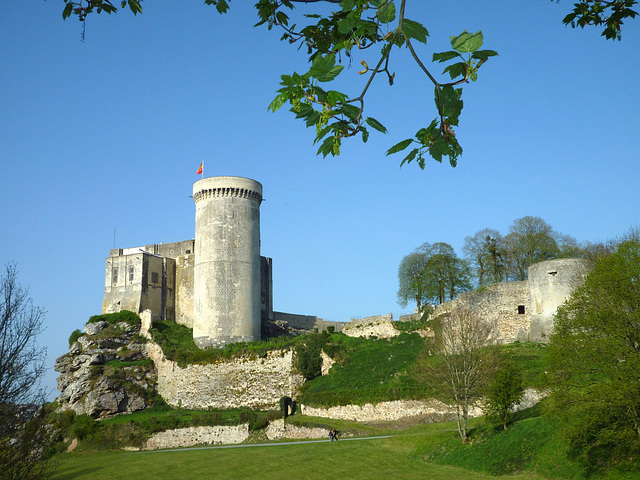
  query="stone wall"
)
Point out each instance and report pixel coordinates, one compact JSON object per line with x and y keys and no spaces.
{"x":278,"y":429}
{"x":190,"y":436}
{"x":184,"y":290}
{"x":385,"y":411}
{"x":506,"y":305}
{"x":380,"y":326}
{"x":255,"y":383}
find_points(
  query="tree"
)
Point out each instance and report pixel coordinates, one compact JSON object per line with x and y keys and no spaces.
{"x":24,"y":435}
{"x":432,"y":273}
{"x":504,"y":392}
{"x":446,"y":274}
{"x":485,"y":252}
{"x":530,"y":240}
{"x":595,"y":360}
{"x":464,"y":363}
{"x":358,"y":25}
{"x":413,"y":280}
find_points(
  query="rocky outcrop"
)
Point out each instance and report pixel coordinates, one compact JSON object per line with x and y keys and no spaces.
{"x":103,"y":374}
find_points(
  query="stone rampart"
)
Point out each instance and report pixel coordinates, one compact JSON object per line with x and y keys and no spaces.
{"x":505,"y":305}
{"x":244,"y":382}
{"x":190,"y":436}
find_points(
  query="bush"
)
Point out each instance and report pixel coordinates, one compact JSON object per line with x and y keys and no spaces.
{"x":115,"y":318}
{"x":83,"y":427}
{"x":308,"y":355}
{"x":75,"y":335}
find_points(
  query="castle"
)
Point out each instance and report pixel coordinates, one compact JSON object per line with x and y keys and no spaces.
{"x":218,"y":283}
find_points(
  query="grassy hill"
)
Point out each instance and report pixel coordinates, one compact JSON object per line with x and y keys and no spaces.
{"x":371,"y":370}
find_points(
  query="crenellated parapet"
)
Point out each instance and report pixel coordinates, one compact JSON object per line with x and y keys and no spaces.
{"x":238,"y":187}
{"x":227,"y":192}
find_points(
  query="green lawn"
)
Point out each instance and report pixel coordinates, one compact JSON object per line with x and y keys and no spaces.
{"x":392,"y":458}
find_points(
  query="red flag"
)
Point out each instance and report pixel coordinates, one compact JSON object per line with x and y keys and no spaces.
{"x":199,"y":172}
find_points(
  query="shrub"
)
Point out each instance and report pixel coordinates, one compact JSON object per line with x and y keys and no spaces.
{"x":75,"y":335}
{"x":83,"y":427}
{"x":115,"y":318}
{"x":308,"y":355}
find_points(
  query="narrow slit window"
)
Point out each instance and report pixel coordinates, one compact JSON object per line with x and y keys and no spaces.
{"x":520,"y":309}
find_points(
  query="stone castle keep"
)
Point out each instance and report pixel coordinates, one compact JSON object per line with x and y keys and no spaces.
{"x":217,"y":284}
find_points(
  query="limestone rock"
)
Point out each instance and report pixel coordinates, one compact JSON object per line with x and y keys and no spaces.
{"x":95,"y":328}
{"x":89,"y":385}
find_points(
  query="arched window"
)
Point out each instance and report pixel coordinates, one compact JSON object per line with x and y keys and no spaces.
{"x":131,"y":273}
{"x":114,"y":278}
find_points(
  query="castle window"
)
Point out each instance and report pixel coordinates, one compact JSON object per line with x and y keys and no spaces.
{"x":131,"y":272}
{"x":155,"y":277}
{"x":552,"y":273}
{"x":114,"y":278}
{"x":520,"y":309}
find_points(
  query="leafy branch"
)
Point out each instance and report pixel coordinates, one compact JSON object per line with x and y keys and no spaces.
{"x":356,"y":25}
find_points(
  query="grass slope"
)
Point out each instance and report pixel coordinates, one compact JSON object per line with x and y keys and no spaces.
{"x":366,"y":460}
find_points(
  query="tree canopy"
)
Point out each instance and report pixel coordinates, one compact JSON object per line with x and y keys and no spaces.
{"x":432,"y":273}
{"x":595,"y":360}
{"x":332,"y":38}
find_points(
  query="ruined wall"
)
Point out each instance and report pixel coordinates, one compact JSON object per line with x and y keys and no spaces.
{"x":308,"y":322}
{"x":380,"y":326}
{"x":550,"y":284}
{"x":505,"y":305}
{"x":388,"y":411}
{"x":255,"y":383}
{"x":190,"y":436}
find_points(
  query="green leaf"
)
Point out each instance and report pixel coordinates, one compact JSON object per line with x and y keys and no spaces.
{"x":456,"y":70}
{"x":376,"y":124}
{"x":347,"y":5}
{"x":445,"y":56}
{"x":326,"y":147}
{"x":387,"y":13}
{"x":467,"y":42}
{"x":484,"y":54}
{"x":277,"y":102}
{"x":398,"y":147}
{"x":350,"y":111}
{"x":68,"y":9}
{"x":135,"y":6}
{"x":450,"y":103}
{"x":334,"y":97}
{"x":324,"y":69}
{"x":415,"y":30}
{"x":409,"y":157}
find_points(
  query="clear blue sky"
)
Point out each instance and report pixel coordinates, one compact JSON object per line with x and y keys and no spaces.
{"x":108,"y":134}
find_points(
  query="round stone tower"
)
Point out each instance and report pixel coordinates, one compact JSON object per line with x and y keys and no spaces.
{"x":551,"y":283}
{"x":226,"y":288}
